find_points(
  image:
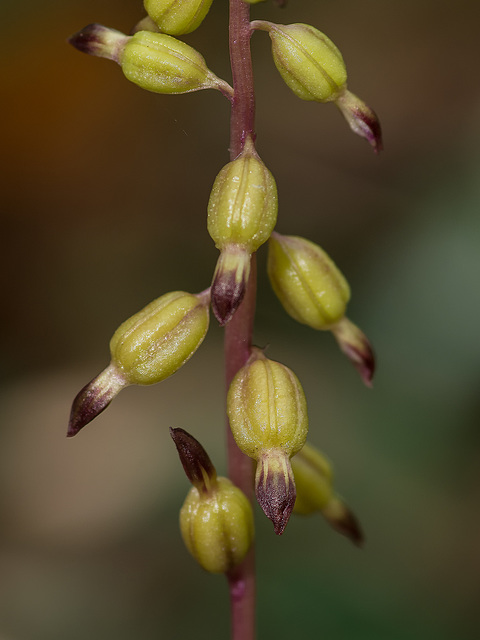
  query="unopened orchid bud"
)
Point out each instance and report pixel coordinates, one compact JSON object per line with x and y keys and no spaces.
{"x":177,"y":17}
{"x":242,"y":213}
{"x":268,"y":417}
{"x":307,"y":282}
{"x":308,"y":61}
{"x":154,"y":61}
{"x":314,"y":482}
{"x":216,"y":520}
{"x":313,"y":67}
{"x":314,"y":292}
{"x":147,"y":348}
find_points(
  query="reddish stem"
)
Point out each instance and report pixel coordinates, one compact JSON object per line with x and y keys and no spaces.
{"x":239,"y":331}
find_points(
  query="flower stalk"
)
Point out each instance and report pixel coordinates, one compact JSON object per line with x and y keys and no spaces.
{"x":239,"y":331}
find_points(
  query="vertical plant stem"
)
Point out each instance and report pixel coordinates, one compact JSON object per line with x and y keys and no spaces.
{"x":238,"y":332}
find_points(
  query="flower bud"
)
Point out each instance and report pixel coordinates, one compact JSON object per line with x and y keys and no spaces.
{"x":268,"y":417}
{"x":313,"y":68}
{"x":313,"y":479}
{"x":216,"y":520}
{"x":177,"y":17}
{"x":242,"y":213}
{"x":306,"y":281}
{"x":147,"y":348}
{"x":308,"y":61}
{"x":154,"y":61}
{"x":314,"y":292}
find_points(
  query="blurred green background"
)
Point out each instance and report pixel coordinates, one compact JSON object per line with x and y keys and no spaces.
{"x":104,"y":190}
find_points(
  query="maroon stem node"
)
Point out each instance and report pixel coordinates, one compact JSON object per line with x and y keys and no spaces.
{"x":238,"y":332}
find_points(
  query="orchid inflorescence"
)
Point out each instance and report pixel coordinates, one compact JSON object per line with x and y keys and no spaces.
{"x":266,"y":405}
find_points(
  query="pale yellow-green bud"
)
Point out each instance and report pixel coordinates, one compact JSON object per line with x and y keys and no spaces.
{"x":242,"y":213}
{"x":314,"y":483}
{"x":268,"y":417}
{"x":145,"y":349}
{"x":159,"y":339}
{"x":306,"y":281}
{"x":154,"y":61}
{"x":308,"y":61}
{"x":243,"y":202}
{"x":177,"y":16}
{"x":217,"y":526}
{"x":157,"y":62}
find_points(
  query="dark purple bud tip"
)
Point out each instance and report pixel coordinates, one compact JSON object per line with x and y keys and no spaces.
{"x":275,"y":488}
{"x":229,"y":282}
{"x":100,"y":41}
{"x":344,"y":521}
{"x":362,"y":120}
{"x":355,"y":345}
{"x":198,"y":466}
{"x":94,"y":398}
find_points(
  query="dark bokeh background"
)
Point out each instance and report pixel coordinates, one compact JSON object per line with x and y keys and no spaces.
{"x":104,"y":189}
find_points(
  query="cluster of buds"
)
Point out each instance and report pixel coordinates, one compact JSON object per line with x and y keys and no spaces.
{"x":266,"y":405}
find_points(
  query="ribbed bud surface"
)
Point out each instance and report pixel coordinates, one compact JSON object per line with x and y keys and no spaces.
{"x":159,"y":339}
{"x":217,"y":527}
{"x":243,"y":203}
{"x":177,"y":16}
{"x":157,"y":62}
{"x":308,"y":61}
{"x":268,"y":417}
{"x":306,"y":281}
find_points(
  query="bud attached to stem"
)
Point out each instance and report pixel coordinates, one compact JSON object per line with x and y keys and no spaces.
{"x":268,"y":417}
{"x":242,"y":213}
{"x":177,"y":17}
{"x":313,"y":67}
{"x":154,"y":61}
{"x":313,"y":479}
{"x":216,"y":520}
{"x":314,"y":292}
{"x":147,"y":348}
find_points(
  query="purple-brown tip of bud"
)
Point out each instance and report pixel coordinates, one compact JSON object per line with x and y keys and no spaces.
{"x":362,"y":120}
{"x":343,"y":520}
{"x":275,"y":488}
{"x":356,"y":346}
{"x":229,"y":282}
{"x":100,"y":41}
{"x":195,"y":460}
{"x":95,"y":398}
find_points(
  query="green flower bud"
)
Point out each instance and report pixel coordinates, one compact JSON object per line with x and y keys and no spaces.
{"x":314,"y":292}
{"x":177,"y":16}
{"x":216,"y":520}
{"x":147,"y":348}
{"x":308,"y":61}
{"x":306,"y":281}
{"x":268,"y":417}
{"x":154,"y":61}
{"x":313,"y":68}
{"x":313,"y":479}
{"x":242,"y":213}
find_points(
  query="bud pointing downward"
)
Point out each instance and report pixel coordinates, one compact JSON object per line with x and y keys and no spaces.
{"x":313,"y":479}
{"x":314,"y":292}
{"x":242,"y":213}
{"x":268,"y":417}
{"x":147,"y":348}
